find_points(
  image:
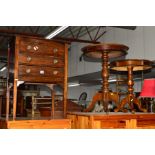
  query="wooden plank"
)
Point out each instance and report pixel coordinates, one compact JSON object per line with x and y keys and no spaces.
{"x":131,"y":124}
{"x":83,"y":122}
{"x":97,"y":125}
{"x":39,"y":124}
{"x":91,"y":122}
{"x":73,"y":121}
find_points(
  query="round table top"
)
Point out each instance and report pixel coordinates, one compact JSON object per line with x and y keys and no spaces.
{"x":137,"y":64}
{"x":113,"y":50}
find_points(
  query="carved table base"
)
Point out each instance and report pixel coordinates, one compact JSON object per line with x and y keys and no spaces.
{"x":131,"y":100}
{"x":98,"y":97}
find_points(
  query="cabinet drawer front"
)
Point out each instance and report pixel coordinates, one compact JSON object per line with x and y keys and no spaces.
{"x":41,"y":47}
{"x":38,"y":71}
{"x":53,"y":80}
{"x":31,"y":59}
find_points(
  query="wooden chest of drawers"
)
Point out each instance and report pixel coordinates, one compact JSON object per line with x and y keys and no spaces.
{"x":32,"y":59}
{"x":39,"y":60}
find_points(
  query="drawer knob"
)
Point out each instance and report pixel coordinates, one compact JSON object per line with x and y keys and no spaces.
{"x":55,"y":72}
{"x":55,"y":61}
{"x":29,"y":58}
{"x":42,"y":72}
{"x":35,"y":48}
{"x":29,"y":47}
{"x":28,"y":70}
{"x":55,"y":50}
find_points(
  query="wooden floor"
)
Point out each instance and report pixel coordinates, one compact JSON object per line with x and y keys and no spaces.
{"x":89,"y":120}
{"x":36,"y":124}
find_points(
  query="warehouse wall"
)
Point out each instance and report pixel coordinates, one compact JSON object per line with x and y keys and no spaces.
{"x":141,"y":42}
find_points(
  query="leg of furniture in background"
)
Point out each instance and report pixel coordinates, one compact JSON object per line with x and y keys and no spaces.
{"x":65,"y":86}
{"x":7,"y":102}
{"x":14,"y":99}
{"x":53,"y":100}
{"x":8,"y":88}
{"x":33,"y":104}
{"x":21,"y":106}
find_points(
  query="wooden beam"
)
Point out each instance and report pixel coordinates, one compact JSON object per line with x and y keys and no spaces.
{"x":4,"y":32}
{"x":75,"y":40}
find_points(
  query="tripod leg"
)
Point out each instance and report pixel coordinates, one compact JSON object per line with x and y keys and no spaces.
{"x":137,"y":102}
{"x":121,"y":105}
{"x":96,"y":97}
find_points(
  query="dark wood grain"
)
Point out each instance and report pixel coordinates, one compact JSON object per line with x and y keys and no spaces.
{"x":113,"y":50}
{"x":40,"y":71}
